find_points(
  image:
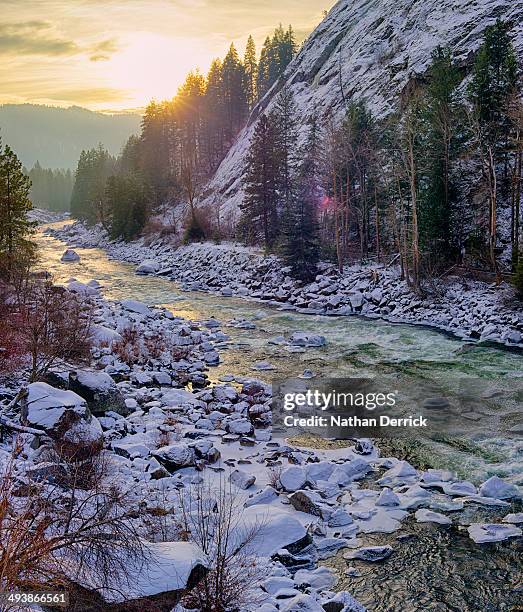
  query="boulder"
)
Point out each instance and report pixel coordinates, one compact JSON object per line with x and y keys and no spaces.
{"x":104,"y":336}
{"x":175,"y":456}
{"x":277,"y":530}
{"x":149,"y":266}
{"x":241,"y":479}
{"x":302,"y":603}
{"x":515,"y":518}
{"x":239,"y":426}
{"x":499,"y":489}
{"x":370,"y":553}
{"x":266,"y":496}
{"x":63,"y":415}
{"x":427,"y":516}
{"x":309,"y":502}
{"x":136,"y":307}
{"x":99,"y":390}
{"x":356,"y":468}
{"x":388,"y":498}
{"x":169,"y":571}
{"x":493,"y":532}
{"x":343,"y":602}
{"x":70,"y":256}
{"x":307,"y":340}
{"x":320,"y":578}
{"x":401,"y":473}
{"x":293,"y":478}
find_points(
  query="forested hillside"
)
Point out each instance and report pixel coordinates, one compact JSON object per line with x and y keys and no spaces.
{"x":288,"y":153}
{"x":55,"y":136}
{"x":181,"y":144}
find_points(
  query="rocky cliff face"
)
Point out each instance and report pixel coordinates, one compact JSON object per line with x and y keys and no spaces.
{"x":372,"y":50}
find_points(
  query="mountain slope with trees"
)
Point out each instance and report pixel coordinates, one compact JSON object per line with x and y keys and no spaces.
{"x":375,"y":52}
{"x":55,"y":136}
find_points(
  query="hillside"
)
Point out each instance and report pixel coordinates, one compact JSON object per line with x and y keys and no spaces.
{"x":56,"y":136}
{"x":371,"y":50}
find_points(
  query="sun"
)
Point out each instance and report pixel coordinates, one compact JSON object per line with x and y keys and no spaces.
{"x":153,"y":66}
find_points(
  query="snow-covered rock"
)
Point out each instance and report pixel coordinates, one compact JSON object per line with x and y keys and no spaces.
{"x":170,"y":569}
{"x":293,"y":478}
{"x":499,"y":489}
{"x":428,"y":516}
{"x":241,"y":479}
{"x":63,"y":415}
{"x":275,"y":529}
{"x":515,"y":518}
{"x":307,"y":340}
{"x":370,"y":553}
{"x":388,"y":498}
{"x":265,"y":496}
{"x":103,"y":335}
{"x":149,"y":266}
{"x":492,"y":532}
{"x":99,"y":390}
{"x":136,"y":307}
{"x":70,"y":256}
{"x":175,"y":456}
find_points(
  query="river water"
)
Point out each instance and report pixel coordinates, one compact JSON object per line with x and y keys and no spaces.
{"x":395,"y":355}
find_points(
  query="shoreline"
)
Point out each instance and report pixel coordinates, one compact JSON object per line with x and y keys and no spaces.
{"x":329,"y":502}
{"x":369,"y":300}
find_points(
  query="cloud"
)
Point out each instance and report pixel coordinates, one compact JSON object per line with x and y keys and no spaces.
{"x":33,"y":38}
{"x":103,"y":50}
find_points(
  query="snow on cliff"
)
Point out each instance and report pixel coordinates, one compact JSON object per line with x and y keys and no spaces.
{"x":370,"y":50}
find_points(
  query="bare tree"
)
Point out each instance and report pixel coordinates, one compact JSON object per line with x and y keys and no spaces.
{"x":52,"y":536}
{"x":54,"y":325}
{"x":213,"y":519}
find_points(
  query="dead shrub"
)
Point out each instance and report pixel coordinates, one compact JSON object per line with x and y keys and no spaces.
{"x":163,"y":438}
{"x":83,"y":466}
{"x":274,"y":473}
{"x":213,"y":519}
{"x":52,"y":537}
{"x":128,"y":348}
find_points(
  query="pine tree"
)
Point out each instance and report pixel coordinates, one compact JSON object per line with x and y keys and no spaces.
{"x":276,"y":55}
{"x":441,"y":114}
{"x":126,"y":202}
{"x":15,"y":204}
{"x":234,"y":96}
{"x":518,"y":278}
{"x":88,"y":197}
{"x":214,"y":116}
{"x":259,"y":218}
{"x":262,"y":82}
{"x":251,"y":71}
{"x":494,"y":78}
{"x":493,"y":83}
{"x":300,"y":228}
{"x":284,"y":116}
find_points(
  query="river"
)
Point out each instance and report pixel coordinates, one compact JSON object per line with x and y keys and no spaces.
{"x":451,"y":572}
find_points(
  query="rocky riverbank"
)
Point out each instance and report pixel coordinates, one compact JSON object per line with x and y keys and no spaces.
{"x":469,"y":309}
{"x":146,"y":400}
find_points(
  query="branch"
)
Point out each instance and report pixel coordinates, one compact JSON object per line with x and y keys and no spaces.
{"x":20,"y":428}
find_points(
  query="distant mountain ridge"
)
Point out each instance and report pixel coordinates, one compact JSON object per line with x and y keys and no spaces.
{"x":56,"y":136}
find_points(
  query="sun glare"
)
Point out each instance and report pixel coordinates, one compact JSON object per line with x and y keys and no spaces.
{"x":152,"y":66}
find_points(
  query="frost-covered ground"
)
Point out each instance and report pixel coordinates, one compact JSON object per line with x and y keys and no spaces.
{"x":161,"y":438}
{"x":470,"y":309}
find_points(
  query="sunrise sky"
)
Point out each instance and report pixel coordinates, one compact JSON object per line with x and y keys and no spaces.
{"x":119,"y":54}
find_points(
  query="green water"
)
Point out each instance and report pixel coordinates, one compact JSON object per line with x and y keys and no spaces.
{"x":397,"y":356}
{"x":439,"y":568}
